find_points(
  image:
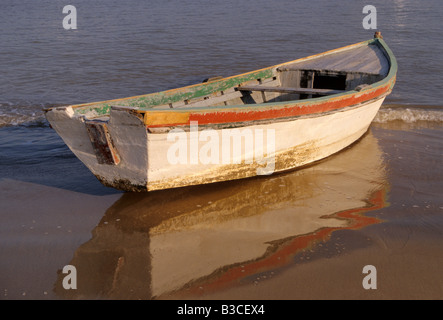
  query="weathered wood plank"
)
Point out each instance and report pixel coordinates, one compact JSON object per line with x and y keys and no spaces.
{"x":327,"y":70}
{"x":368,"y":59}
{"x":223,"y":98}
{"x":102,"y":143}
{"x":212,"y":100}
{"x":290,"y":90}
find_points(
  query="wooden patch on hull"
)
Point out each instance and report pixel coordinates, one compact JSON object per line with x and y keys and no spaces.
{"x":102,"y":143}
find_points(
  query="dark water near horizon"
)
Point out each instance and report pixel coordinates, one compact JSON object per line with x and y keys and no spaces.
{"x":126,"y":48}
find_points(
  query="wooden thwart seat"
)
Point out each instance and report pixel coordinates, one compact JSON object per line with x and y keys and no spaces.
{"x":290,"y":90}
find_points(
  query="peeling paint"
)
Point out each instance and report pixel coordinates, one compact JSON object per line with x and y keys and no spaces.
{"x":102,"y":143}
{"x":219,"y":115}
{"x":122,"y":184}
{"x":286,"y":160}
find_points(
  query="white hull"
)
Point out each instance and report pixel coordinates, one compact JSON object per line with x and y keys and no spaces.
{"x":145,"y":165}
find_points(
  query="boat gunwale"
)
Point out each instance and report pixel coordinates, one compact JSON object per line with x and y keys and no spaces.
{"x":386,"y":79}
{"x":230,"y":125}
{"x":114,"y":103}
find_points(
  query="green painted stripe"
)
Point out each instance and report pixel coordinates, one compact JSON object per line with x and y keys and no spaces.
{"x":145,"y":102}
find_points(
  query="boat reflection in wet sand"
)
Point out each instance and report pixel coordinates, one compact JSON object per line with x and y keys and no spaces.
{"x":209,"y":237}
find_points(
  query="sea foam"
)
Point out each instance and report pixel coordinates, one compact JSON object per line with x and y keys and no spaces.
{"x":16,"y":115}
{"x":409,"y":114}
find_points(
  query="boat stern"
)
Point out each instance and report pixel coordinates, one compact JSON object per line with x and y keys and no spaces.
{"x":114,"y":148}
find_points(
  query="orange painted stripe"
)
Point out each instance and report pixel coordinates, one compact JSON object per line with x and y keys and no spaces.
{"x":245,"y":113}
{"x":286,"y":253}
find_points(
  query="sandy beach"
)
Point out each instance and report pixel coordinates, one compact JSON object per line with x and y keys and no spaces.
{"x":306,"y":234}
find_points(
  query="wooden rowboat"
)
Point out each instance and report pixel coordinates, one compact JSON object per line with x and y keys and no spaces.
{"x":257,"y":123}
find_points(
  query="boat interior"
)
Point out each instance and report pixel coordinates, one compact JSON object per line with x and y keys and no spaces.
{"x":323,"y":75}
{"x":337,"y":71}
{"x":289,"y":83}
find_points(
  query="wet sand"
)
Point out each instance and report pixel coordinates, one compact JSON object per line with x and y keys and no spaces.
{"x":306,"y":234}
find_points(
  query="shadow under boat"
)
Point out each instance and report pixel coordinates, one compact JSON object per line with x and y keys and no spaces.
{"x":147,"y":246}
